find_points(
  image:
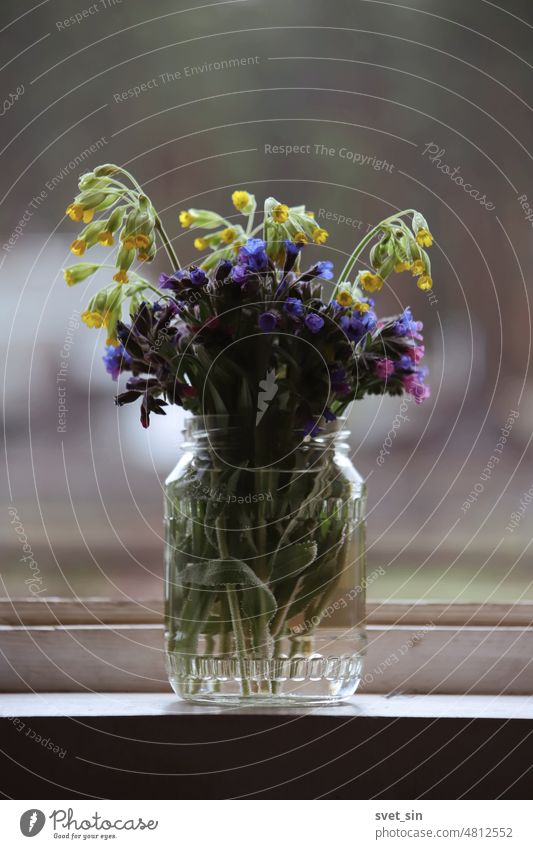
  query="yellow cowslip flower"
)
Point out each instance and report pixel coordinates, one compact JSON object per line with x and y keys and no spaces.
{"x":228,"y":235}
{"x":106,"y":238}
{"x":320,"y":236}
{"x":344,"y":298}
{"x":78,"y":247}
{"x":240,"y":200}
{"x":418,"y":267}
{"x":69,"y":277}
{"x":362,"y":307}
{"x":121,"y":277}
{"x":200,"y":244}
{"x":88,"y":215}
{"x":186,"y":218}
{"x":92,"y":318}
{"x":112,"y":340}
{"x":142,"y":241}
{"x":425,"y":282}
{"x":280,"y":213}
{"x":402,"y":266}
{"x":129,"y":242}
{"x":74,"y":211}
{"x":144,"y":256}
{"x":370,"y":282}
{"x":424,"y":237}
{"x":300,"y":237}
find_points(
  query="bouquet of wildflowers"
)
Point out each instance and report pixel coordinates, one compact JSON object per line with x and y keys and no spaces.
{"x":257,"y":339}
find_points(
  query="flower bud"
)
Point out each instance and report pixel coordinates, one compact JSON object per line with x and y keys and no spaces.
{"x":76,"y":273}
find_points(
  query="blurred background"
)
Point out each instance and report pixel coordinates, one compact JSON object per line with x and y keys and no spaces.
{"x":392,"y":105}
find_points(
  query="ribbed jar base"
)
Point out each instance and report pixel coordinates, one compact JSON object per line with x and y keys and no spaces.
{"x":300,"y":680}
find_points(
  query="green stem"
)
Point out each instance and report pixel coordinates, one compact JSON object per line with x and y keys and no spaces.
{"x":240,"y":640}
{"x":174,"y":261}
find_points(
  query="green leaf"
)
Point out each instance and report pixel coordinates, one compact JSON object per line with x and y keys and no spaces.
{"x":288,"y":562}
{"x":256,"y":600}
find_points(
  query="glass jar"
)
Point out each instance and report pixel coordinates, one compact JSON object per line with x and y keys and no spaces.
{"x":265,"y":566}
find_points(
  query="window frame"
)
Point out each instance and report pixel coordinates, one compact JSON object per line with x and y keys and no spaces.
{"x":108,"y":645}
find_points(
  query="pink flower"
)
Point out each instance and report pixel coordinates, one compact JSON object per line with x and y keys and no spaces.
{"x":384,"y":368}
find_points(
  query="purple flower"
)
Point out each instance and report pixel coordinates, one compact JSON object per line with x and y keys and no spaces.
{"x":292,"y":252}
{"x":314,"y":322}
{"x":116,"y":360}
{"x":384,"y":368}
{"x":311,"y":428}
{"x":253,"y":255}
{"x":339,"y":380}
{"x":322,"y":269}
{"x":267,"y":321}
{"x":239,"y":273}
{"x":294,"y":307}
{"x":198,"y":276}
{"x":329,"y":415}
{"x":358,"y":324}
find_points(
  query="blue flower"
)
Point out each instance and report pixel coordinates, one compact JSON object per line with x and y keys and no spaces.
{"x":253,"y":255}
{"x":404,"y":324}
{"x":172,"y":281}
{"x":267,"y":321}
{"x":314,"y":322}
{"x":292,"y":252}
{"x":116,"y":360}
{"x":329,"y":415}
{"x":294,"y":307}
{"x":198,"y":276}
{"x":325,"y":269}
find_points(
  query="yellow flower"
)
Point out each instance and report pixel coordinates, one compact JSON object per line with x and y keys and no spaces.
{"x":300,"y":237}
{"x":200,"y":244}
{"x":370,"y":282}
{"x":228,"y":235}
{"x":310,"y":214}
{"x":424,"y":237}
{"x":78,"y":247}
{"x":142,"y":241}
{"x":121,"y":277}
{"x":69,"y":277}
{"x":106,"y":238}
{"x":92,"y":318}
{"x":74,"y":211}
{"x":144,"y":256}
{"x":240,"y":200}
{"x":129,"y":242}
{"x":402,"y":266}
{"x":280,"y":213}
{"x":344,"y":298}
{"x":362,"y":307}
{"x":112,"y":340}
{"x":418,"y":267}
{"x":320,"y":236}
{"x":88,"y":215}
{"x":186,"y":218}
{"x":425,"y":282}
